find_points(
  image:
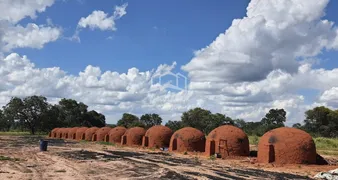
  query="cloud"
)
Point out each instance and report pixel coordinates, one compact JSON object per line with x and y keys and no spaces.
{"x":273,"y":35}
{"x":101,"y":20}
{"x":15,"y":10}
{"x":32,"y":36}
{"x":14,"y":35}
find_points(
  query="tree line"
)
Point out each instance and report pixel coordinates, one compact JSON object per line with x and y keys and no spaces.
{"x":35,"y":114}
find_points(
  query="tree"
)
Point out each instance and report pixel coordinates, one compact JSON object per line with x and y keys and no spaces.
{"x":10,"y":113}
{"x":240,"y":123}
{"x":150,"y":120}
{"x":321,"y":121}
{"x":274,"y":117}
{"x":174,"y":125}
{"x":30,"y":111}
{"x":5,"y":124}
{"x":297,"y":125}
{"x":129,"y":120}
{"x":72,"y":112}
{"x":50,"y":119}
{"x":93,"y":118}
{"x":204,"y":120}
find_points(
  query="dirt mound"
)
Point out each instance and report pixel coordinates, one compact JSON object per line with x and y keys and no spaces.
{"x":187,"y":139}
{"x":157,"y":137}
{"x":227,"y":141}
{"x":80,"y":133}
{"x":101,"y":134}
{"x":72,"y":133}
{"x":286,"y":146}
{"x":133,"y":136}
{"x":90,"y":132}
{"x":115,"y":135}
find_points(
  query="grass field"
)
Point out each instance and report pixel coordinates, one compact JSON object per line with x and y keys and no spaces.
{"x":326,"y":146}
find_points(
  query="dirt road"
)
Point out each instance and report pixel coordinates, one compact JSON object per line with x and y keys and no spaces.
{"x":20,"y":158}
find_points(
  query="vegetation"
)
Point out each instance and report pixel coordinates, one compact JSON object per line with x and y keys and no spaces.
{"x":35,"y":114}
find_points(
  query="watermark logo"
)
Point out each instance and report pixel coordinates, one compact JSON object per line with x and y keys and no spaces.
{"x":178,"y":77}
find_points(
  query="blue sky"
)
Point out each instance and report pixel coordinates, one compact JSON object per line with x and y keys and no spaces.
{"x":154,"y":34}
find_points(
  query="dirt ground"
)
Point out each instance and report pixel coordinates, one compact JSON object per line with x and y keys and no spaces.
{"x":20,"y":158}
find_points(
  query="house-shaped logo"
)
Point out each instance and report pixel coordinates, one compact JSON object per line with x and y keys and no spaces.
{"x":178,"y":78}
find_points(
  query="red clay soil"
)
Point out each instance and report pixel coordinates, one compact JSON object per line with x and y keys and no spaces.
{"x":72,"y":133}
{"x":90,"y":132}
{"x":115,"y":135}
{"x":157,"y":137}
{"x":80,"y":133}
{"x":286,"y":146}
{"x":228,"y":141}
{"x":133,"y":136}
{"x":187,"y":139}
{"x":101,"y":134}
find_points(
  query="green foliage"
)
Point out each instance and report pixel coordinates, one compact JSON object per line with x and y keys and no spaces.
{"x":320,"y":121}
{"x":150,"y":120}
{"x":254,"y":140}
{"x":130,"y":120}
{"x":204,"y":120}
{"x":174,"y":125}
{"x":35,"y":114}
{"x":326,"y":143}
{"x":273,"y":119}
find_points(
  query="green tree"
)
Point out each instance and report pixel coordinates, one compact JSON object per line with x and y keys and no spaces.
{"x":129,"y":120}
{"x":240,"y":123}
{"x":174,"y":125}
{"x":30,"y":111}
{"x":275,"y":117}
{"x":204,"y":120}
{"x":297,"y":125}
{"x":72,"y":112}
{"x":150,"y":120}
{"x":5,"y":124}
{"x":93,"y":118}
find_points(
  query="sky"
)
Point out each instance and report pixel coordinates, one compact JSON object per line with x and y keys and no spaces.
{"x":240,"y":58}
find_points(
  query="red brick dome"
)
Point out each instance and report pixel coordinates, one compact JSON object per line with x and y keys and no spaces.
{"x":90,"y":132}
{"x":101,"y":134}
{"x":187,"y":139}
{"x":72,"y":132}
{"x":81,"y":133}
{"x":286,"y":146}
{"x":133,"y":136}
{"x":115,"y":135}
{"x":227,"y":141}
{"x":157,"y":137}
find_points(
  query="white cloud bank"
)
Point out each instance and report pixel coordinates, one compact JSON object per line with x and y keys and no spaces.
{"x":13,"y":35}
{"x":259,"y":63}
